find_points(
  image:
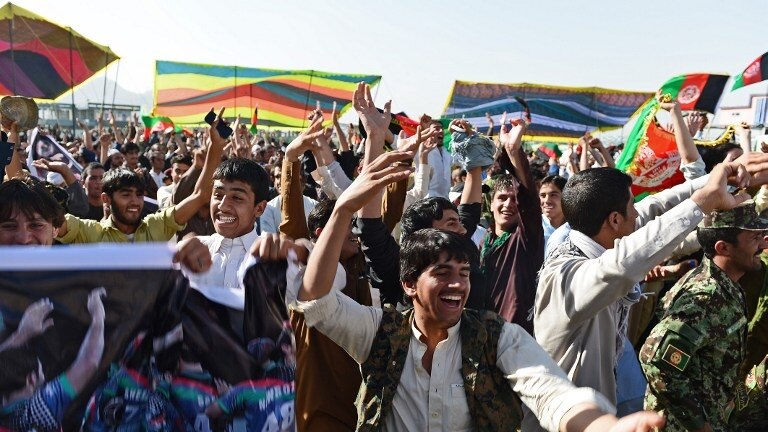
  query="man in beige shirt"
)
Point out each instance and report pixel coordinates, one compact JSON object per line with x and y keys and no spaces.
{"x":427,"y":354}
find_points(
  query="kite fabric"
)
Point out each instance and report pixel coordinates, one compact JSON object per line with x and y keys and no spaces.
{"x":153,"y":320}
{"x":754,"y":73}
{"x":699,"y":92}
{"x":43,"y":60}
{"x":185,"y":92}
{"x":561,"y":112}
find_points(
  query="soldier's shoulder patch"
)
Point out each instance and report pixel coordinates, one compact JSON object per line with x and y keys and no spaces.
{"x":676,"y":357}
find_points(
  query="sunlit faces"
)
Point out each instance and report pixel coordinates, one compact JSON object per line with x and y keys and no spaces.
{"x":627,"y":222}
{"x":450,"y":222}
{"x":117,"y":160}
{"x":745,"y":254}
{"x":233,"y":208}
{"x":94,"y":183}
{"x":506,"y":214}
{"x":440,"y":292}
{"x":22,"y":230}
{"x":126,"y":205}
{"x":178,"y":170}
{"x":132,"y":158}
{"x":550,"y":196}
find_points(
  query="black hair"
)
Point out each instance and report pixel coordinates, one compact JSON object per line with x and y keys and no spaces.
{"x":121,"y":178}
{"x":30,"y":196}
{"x":247,"y":171}
{"x":714,"y":155}
{"x":709,"y":236}
{"x":129,"y":147}
{"x":425,"y":247}
{"x":593,"y":194}
{"x":17,"y":363}
{"x":182,"y":159}
{"x":319,"y":216}
{"x":423,"y":213}
{"x":504,"y":181}
{"x":90,"y":167}
{"x":556,"y":180}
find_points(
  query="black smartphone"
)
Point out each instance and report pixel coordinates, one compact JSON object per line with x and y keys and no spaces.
{"x":224,"y":130}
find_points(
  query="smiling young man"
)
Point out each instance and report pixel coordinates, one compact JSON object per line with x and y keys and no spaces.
{"x":30,"y":215}
{"x":438,"y":366}
{"x":550,"y":194}
{"x":692,"y":356}
{"x":240,"y":190}
{"x":513,"y":250}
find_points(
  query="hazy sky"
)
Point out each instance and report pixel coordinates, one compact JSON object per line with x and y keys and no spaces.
{"x":421,"y":47}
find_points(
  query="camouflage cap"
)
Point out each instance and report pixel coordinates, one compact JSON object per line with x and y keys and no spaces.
{"x":743,"y":217}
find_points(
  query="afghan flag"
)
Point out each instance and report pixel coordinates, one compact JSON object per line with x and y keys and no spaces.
{"x":549,"y":150}
{"x":155,"y":124}
{"x":699,"y":92}
{"x":405,"y":123}
{"x":254,"y":121}
{"x":650,"y":155}
{"x":756,"y":71}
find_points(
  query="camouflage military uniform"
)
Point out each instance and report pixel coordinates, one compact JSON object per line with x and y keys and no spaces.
{"x":692,"y":357}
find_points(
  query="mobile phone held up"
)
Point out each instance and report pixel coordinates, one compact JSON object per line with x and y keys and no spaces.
{"x":224,"y":130}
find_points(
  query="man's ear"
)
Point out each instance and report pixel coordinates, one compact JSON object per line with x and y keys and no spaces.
{"x":722,"y":248}
{"x":613,"y":220}
{"x":105,"y":198}
{"x":409,"y":288}
{"x":260,"y":208}
{"x":317,"y":232}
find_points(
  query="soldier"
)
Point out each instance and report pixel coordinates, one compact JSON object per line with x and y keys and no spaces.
{"x":692,"y":356}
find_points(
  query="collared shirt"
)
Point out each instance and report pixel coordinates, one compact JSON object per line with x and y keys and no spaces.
{"x":440,"y":162}
{"x":437,"y":401}
{"x":159,"y":226}
{"x":221,"y":282}
{"x":158,"y":177}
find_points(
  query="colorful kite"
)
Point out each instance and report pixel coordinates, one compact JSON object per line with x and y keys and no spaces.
{"x":557,"y":112}
{"x":185,"y":92}
{"x":42,"y":60}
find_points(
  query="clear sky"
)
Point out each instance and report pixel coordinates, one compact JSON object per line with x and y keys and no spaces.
{"x":421,"y":47}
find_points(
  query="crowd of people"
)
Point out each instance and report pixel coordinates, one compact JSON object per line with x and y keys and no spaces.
{"x":488,"y":288}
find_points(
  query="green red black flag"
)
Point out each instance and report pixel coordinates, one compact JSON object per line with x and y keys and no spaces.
{"x":699,"y":92}
{"x":756,"y":71}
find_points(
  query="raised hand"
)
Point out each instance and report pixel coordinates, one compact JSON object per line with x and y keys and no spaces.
{"x":35,"y":320}
{"x":464,"y":124}
{"x":412,"y":142}
{"x":305,"y":140}
{"x":374,"y":122}
{"x":715,"y":196}
{"x":95,"y":304}
{"x":374,"y":178}
{"x":696,"y":121}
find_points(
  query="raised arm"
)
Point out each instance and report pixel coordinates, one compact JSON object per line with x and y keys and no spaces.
{"x":119,"y":136}
{"x":204,"y":186}
{"x":13,"y":169}
{"x":512,"y":144}
{"x":371,"y":181}
{"x":92,"y":348}
{"x":343,"y":141}
{"x":745,"y":137}
{"x":33,"y":323}
{"x":683,"y":137}
{"x":376,"y":124}
{"x":294,"y":223}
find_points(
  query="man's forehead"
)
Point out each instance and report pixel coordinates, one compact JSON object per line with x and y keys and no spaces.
{"x":231,"y":185}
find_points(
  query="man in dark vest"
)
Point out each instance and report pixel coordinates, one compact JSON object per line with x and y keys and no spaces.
{"x":437,"y":366}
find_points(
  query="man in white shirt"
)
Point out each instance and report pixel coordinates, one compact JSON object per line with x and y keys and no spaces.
{"x":440,"y":163}
{"x":240,"y":190}
{"x":420,"y":368}
{"x":157,"y":172}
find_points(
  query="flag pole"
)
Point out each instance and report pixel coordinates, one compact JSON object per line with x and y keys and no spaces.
{"x":13,"y":57}
{"x":72,"y":80}
{"x":104,"y":91}
{"x":306,"y":102}
{"x":114,"y":88}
